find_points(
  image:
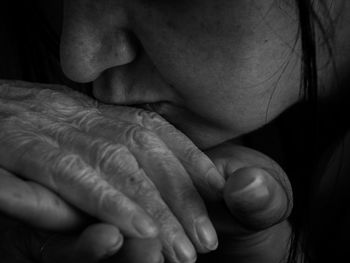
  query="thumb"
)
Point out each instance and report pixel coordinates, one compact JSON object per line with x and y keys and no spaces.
{"x":258,"y":198}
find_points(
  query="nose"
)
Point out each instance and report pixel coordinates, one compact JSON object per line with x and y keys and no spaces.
{"x":94,"y":40}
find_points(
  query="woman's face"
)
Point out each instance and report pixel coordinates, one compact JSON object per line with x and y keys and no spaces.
{"x":216,"y":69}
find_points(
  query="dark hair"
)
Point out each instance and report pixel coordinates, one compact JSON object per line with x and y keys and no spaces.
{"x":313,"y":25}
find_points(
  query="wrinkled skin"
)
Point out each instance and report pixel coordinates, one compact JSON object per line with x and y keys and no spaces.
{"x":70,"y":144}
{"x":257,"y":193}
{"x":120,"y":165}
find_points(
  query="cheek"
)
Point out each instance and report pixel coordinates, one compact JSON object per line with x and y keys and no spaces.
{"x":242,"y":94}
{"x":236,"y":70}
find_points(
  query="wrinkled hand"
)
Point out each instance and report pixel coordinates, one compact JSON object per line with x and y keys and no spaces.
{"x":125,"y":166}
{"x":252,"y":221}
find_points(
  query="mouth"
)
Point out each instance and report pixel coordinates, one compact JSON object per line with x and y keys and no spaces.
{"x":158,"y":107}
{"x":194,"y":127}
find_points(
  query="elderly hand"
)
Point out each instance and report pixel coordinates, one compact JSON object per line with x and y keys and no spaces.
{"x":252,"y":221}
{"x":125,"y":166}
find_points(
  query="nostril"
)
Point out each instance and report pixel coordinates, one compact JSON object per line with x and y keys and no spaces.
{"x":89,"y":50}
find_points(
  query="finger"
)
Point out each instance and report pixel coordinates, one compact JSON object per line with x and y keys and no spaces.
{"x":256,"y":199}
{"x":36,"y":205}
{"x":71,"y":107}
{"x":68,"y":108}
{"x":139,"y":250}
{"x":230,"y":158}
{"x":259,"y":198}
{"x":120,"y":168}
{"x":171,"y":180}
{"x":38,"y":158}
{"x":202,"y":170}
{"x":95,"y":243}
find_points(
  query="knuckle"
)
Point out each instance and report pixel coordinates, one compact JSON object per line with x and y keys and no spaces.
{"x":123,"y":170}
{"x":152,"y":117}
{"x":16,"y":134}
{"x":69,"y":169}
{"x":58,"y":102}
{"x":65,"y":103}
{"x":87,"y":118}
{"x":108,"y":200}
{"x":152,"y":120}
{"x":142,"y":138}
{"x":116,"y":158}
{"x":66,"y":162}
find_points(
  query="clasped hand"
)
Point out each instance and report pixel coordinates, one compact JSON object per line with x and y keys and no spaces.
{"x":128,"y":168}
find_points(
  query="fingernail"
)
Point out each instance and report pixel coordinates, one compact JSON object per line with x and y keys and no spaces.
{"x":145,"y":226}
{"x":184,"y":250}
{"x":118,"y":242}
{"x":115,"y":247}
{"x":251,"y":189}
{"x":206,"y":233}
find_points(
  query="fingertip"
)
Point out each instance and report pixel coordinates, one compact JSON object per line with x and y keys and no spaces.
{"x":206,"y":234}
{"x":255,"y":198}
{"x":145,"y":226}
{"x":100,"y":241}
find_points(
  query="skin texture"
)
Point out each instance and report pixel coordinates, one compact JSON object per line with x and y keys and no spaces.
{"x":124,"y":166}
{"x":224,"y":68}
{"x":254,"y":229}
{"x":217,"y":64}
{"x":133,"y":171}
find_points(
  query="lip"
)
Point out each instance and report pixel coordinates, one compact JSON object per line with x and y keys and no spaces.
{"x":194,"y":127}
{"x":158,"y":107}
